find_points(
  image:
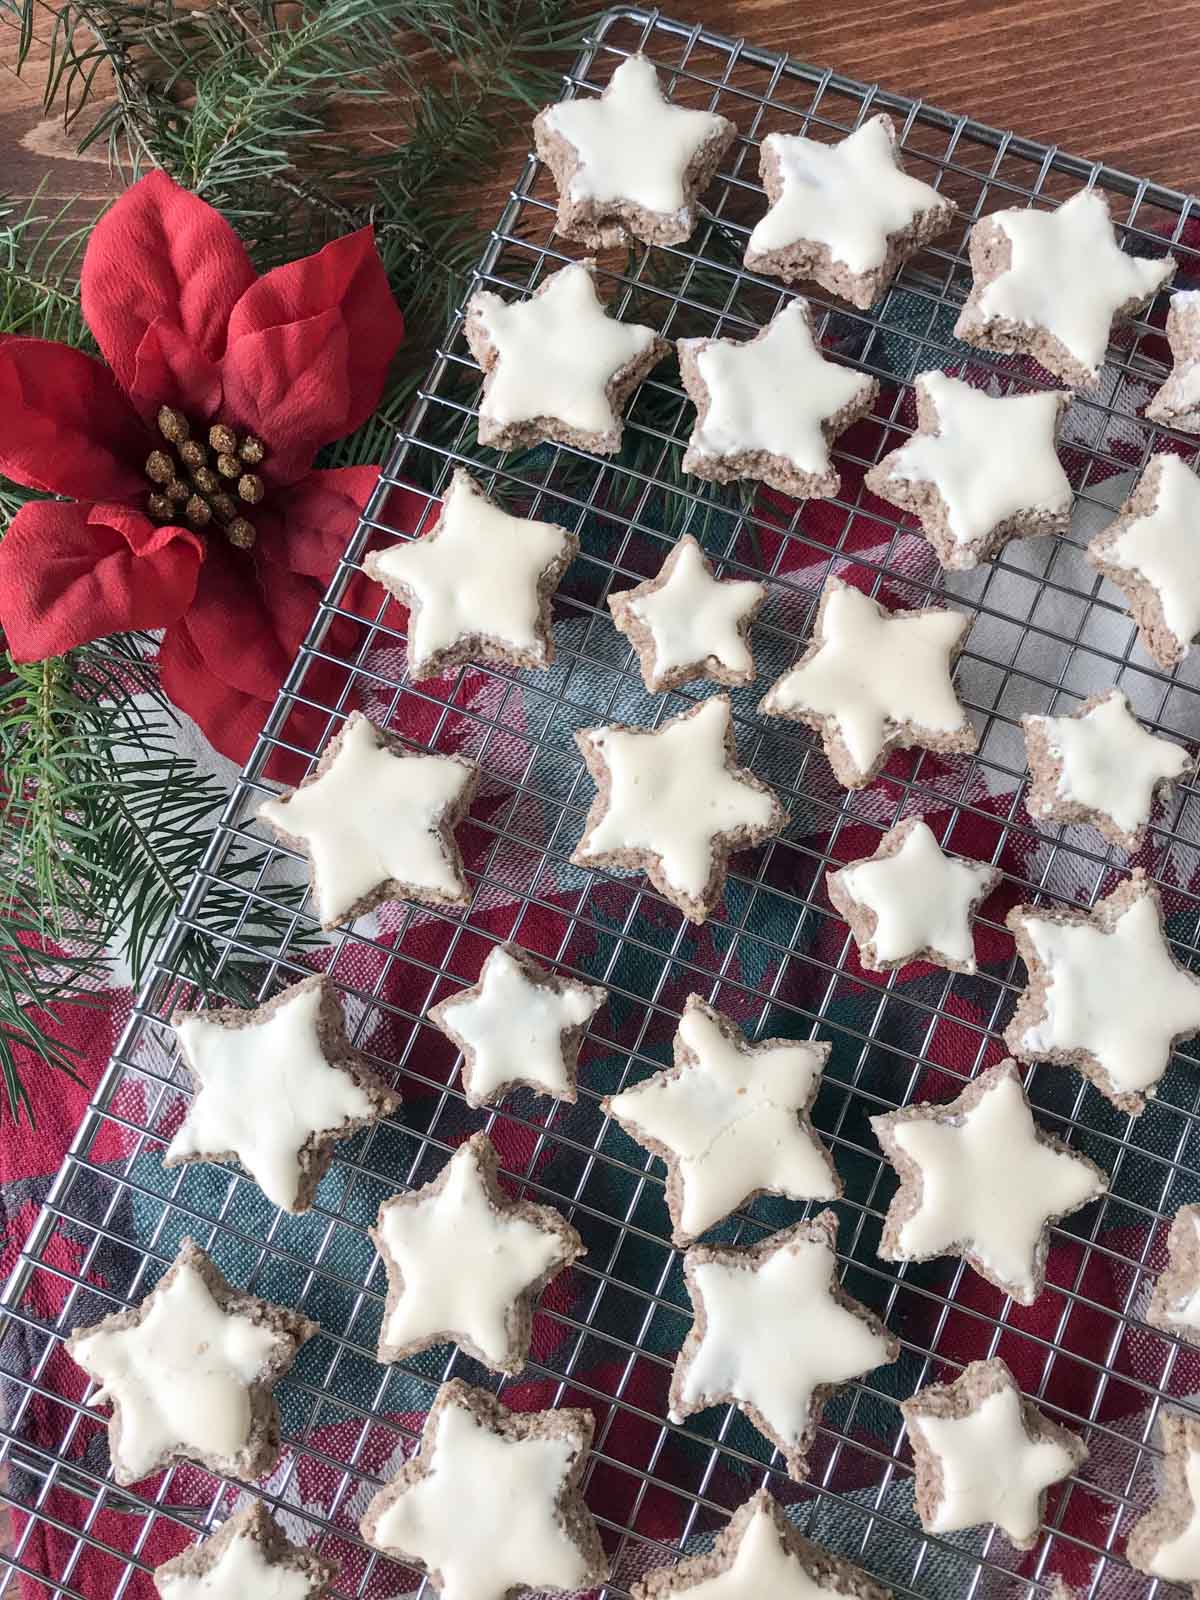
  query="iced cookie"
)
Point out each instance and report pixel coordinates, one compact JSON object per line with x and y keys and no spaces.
{"x":981,"y":469}
{"x":979,"y":1179}
{"x":1177,"y":403}
{"x":645,"y":815}
{"x":1104,"y":993}
{"x":686,"y":624}
{"x":1165,"y":1543}
{"x":983,"y":1453}
{"x":630,"y":163}
{"x":873,"y":681}
{"x":189,"y":1373}
{"x":276,"y":1088}
{"x":1048,"y":284}
{"x":1175,"y":1304}
{"x":755,"y":1302}
{"x":1099,"y":765}
{"x":731,"y":1121}
{"x":770,"y":407}
{"x":248,"y":1556}
{"x":478,"y":585}
{"x":376,"y":820}
{"x":846,"y":215}
{"x":910,"y":902}
{"x":555,"y":366}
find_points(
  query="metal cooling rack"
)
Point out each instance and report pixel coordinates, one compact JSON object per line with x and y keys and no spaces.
{"x":1045,"y":633}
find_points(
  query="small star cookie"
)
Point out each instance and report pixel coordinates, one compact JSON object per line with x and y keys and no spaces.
{"x":872,"y":681}
{"x":686,"y":624}
{"x":752,"y":1304}
{"x":846,"y":215}
{"x":1177,"y":403}
{"x":979,"y":1179}
{"x":1175,"y":1304}
{"x":491,"y":1502}
{"x":1049,"y":283}
{"x":984,"y":1454}
{"x":1165,"y":1543}
{"x":910,"y":902}
{"x":981,"y":470}
{"x":189,"y":1372}
{"x":731,"y":1121}
{"x":478,"y":585}
{"x":1099,"y":765}
{"x":504,"y":1253}
{"x":248,"y":1556}
{"x":1104,"y":994}
{"x":770,"y":407}
{"x":276,"y":1088}
{"x":630,"y":163}
{"x":377,"y":821}
{"x":556,"y":367}
{"x":672,"y":802}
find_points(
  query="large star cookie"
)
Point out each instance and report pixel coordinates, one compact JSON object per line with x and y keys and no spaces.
{"x":846,"y":214}
{"x":686,"y":624}
{"x":504,"y":1253}
{"x":478,"y":585}
{"x":491,"y":1502}
{"x":872,"y":681}
{"x":673,"y":802}
{"x":1177,"y":403}
{"x":770,"y":407}
{"x":276,"y":1088}
{"x":630,"y":163}
{"x":1165,"y":1543}
{"x":981,"y":470}
{"x":1175,"y":1304}
{"x":248,"y":1557}
{"x":189,"y":1372}
{"x":520,"y":1026}
{"x":982,"y":1453}
{"x":555,"y":366}
{"x":753,"y":1305}
{"x":1099,"y":765}
{"x":979,"y":1179}
{"x":1151,"y":551}
{"x":1104,"y":994}
{"x":377,"y":821}
{"x":1049,"y":283}
{"x":731,"y":1121}
{"x":910,"y":902}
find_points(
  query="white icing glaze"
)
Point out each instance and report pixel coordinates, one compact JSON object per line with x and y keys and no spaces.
{"x":556,"y":353}
{"x":1187,"y":1315}
{"x":241,"y":1572}
{"x":762,"y":1567}
{"x":672,"y":793}
{"x":1178,"y":1559}
{"x":180,"y":1377}
{"x":694,"y":615}
{"x":631,"y":143}
{"x":730,"y":1118}
{"x":772,"y":393}
{"x":371,"y":817}
{"x":849,"y":196}
{"x":1163,"y":548}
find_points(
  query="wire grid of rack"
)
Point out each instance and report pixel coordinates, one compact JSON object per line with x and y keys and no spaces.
{"x":1045,"y":633}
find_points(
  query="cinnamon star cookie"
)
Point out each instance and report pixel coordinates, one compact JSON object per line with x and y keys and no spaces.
{"x":247,"y":1557}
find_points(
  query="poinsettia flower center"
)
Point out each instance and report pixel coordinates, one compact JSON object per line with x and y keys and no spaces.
{"x":205,"y":485}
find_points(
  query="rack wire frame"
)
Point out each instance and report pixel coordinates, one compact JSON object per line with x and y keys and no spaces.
{"x":775,"y":954}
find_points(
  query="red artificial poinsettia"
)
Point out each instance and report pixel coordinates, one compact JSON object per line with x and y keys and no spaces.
{"x":286,"y":363}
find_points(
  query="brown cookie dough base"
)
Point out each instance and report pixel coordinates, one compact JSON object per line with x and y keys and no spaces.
{"x":1172,"y":1511}
{"x":256,"y":1524}
{"x":1180,"y":1279}
{"x":1172,"y":405}
{"x":1143,"y":599}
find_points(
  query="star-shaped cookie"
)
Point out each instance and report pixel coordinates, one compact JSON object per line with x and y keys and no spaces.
{"x":248,"y":1557}
{"x":775,"y":1334}
{"x":491,"y":1502}
{"x":672,"y":802}
{"x":1175,"y":1304}
{"x":1099,"y":765}
{"x":1165,"y":1543}
{"x":911,"y":902}
{"x":686,"y":624}
{"x":770,"y":407}
{"x":979,"y":1179}
{"x":1049,"y":284}
{"x":376,"y":820}
{"x":981,"y":469}
{"x":478,"y":585}
{"x":276,"y":1088}
{"x":872,"y":681}
{"x":1104,"y":994}
{"x":845,"y":214}
{"x":731,"y":1121}
{"x":629,"y":162}
{"x":982,"y":1453}
{"x":519,"y":1027}
{"x":189,"y":1372}
{"x":1177,"y":403}
{"x":556,"y":367}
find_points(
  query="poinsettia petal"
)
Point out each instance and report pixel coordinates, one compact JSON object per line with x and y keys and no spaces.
{"x":265,"y":610}
{"x":317,"y":516}
{"x":172,"y":370}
